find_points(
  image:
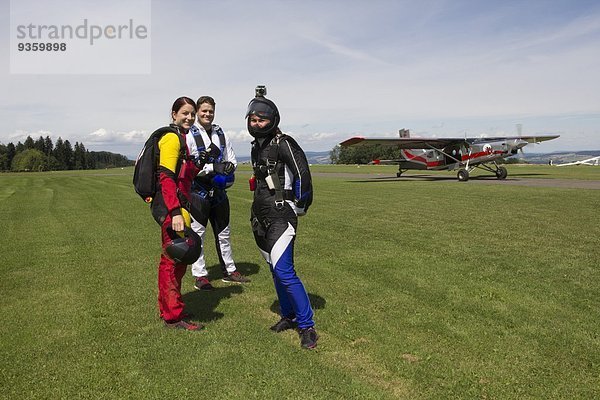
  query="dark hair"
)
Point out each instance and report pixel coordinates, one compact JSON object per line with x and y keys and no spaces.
{"x":205,"y":99}
{"x":180,"y":102}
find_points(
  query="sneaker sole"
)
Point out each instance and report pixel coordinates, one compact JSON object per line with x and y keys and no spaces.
{"x":309,"y":347}
{"x":181,"y":328}
{"x":204,"y":290}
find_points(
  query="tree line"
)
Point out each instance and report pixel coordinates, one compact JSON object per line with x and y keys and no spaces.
{"x":44,"y":155}
{"x":363,"y":154}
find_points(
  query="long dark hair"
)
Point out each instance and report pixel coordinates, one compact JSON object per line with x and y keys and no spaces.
{"x":180,"y":102}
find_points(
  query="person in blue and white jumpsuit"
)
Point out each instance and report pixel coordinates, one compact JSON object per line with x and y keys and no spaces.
{"x":282,"y":192}
{"x":211,"y":184}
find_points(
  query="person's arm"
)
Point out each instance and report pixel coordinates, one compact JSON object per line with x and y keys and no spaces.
{"x":167,"y":166}
{"x":191,"y":145}
{"x":295,"y":159}
{"x":229,"y":153}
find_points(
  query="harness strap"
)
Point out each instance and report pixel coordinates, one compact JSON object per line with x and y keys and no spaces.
{"x":200,"y":145}
{"x":184,"y":154}
{"x":221,"y":142}
{"x":204,"y":183}
{"x":273,"y":169}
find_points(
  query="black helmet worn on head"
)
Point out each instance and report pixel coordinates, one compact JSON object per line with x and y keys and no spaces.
{"x":184,"y":249}
{"x":266,"y":109}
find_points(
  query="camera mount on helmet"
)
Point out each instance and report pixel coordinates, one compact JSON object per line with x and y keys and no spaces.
{"x":260,"y":91}
{"x":263,"y":108}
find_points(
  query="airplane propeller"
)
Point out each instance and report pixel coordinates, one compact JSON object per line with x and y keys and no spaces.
{"x":515,"y":145}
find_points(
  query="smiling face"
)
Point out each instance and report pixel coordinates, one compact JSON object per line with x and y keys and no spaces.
{"x":185,"y":116}
{"x":206,"y":115}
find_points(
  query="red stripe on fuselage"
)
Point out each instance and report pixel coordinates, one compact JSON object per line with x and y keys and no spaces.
{"x":420,"y":159}
{"x":482,"y":154}
{"x":414,"y":158}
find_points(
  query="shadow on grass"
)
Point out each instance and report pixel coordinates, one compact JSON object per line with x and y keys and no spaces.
{"x":202,"y":304}
{"x":407,"y":178}
{"x":316,"y":301}
{"x":246,"y":269}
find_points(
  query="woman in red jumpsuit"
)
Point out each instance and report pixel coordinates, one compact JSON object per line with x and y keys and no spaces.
{"x":176,"y":172}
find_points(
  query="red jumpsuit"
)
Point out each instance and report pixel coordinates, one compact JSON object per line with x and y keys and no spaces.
{"x":171,"y":273}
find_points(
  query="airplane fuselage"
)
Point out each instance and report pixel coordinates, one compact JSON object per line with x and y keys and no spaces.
{"x":453,"y":157}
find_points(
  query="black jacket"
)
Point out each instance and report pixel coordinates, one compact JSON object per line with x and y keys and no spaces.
{"x":292,"y":169}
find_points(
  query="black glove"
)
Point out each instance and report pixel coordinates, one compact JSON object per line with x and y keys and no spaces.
{"x":201,"y":159}
{"x":225,"y":168}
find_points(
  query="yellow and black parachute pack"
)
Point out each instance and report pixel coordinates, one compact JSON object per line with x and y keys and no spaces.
{"x":145,"y":174}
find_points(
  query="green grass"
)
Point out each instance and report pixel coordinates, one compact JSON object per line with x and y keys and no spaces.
{"x":514,"y":171}
{"x":422,"y":290}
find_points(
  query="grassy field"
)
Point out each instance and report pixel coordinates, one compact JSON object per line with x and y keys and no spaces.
{"x":514,"y":170}
{"x":421,"y":290}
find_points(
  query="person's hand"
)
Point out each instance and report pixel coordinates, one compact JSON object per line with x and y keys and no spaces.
{"x":177,"y":223}
{"x":229,"y":168}
{"x":299,"y":211}
{"x":201,"y":159}
{"x":224,"y":168}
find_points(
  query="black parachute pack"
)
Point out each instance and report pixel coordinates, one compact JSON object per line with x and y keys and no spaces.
{"x":145,"y":174}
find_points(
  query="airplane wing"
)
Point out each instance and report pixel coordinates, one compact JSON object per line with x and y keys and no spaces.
{"x":528,"y":139}
{"x":404,"y":143}
{"x":439,"y":143}
{"x":589,"y":161}
{"x":566,"y":164}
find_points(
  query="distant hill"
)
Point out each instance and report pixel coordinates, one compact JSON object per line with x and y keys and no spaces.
{"x":558,"y":157}
{"x":313,"y":157}
{"x":318,"y":157}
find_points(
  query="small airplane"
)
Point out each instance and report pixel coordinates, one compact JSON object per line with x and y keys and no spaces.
{"x":589,"y":161}
{"x":463,"y":154}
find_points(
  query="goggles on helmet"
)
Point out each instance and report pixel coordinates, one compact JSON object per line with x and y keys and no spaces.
{"x":261,"y":109}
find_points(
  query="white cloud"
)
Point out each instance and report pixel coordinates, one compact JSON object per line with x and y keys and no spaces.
{"x":239,"y":136}
{"x":103,"y":135}
{"x":21,"y":135}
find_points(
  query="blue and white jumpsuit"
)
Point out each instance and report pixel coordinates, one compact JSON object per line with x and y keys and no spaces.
{"x":274,"y":225}
{"x":212,"y":190}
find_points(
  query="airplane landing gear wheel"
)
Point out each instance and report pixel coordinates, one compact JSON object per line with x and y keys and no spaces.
{"x":398,"y":174}
{"x":501,"y":173}
{"x":462,"y":175}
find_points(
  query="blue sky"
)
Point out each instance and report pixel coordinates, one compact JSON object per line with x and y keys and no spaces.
{"x":336,"y":69}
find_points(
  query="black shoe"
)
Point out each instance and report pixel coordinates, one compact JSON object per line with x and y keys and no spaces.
{"x":202,"y":283}
{"x":188,"y":326}
{"x":235,"y":277}
{"x":308,"y":338}
{"x":283,"y":324}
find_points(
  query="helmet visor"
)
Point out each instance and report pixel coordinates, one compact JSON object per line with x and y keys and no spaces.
{"x":260,"y":109}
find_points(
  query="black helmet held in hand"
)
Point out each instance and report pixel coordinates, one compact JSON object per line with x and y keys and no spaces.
{"x":184,"y":249}
{"x":266,"y":109}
